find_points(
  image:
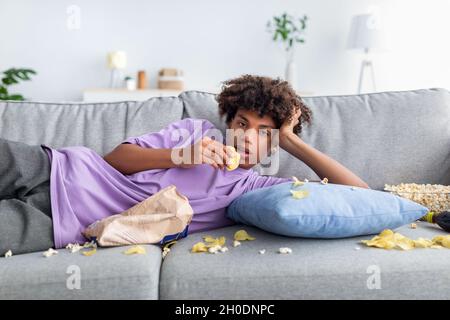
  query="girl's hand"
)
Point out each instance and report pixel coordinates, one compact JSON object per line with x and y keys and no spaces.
{"x":287,"y":128}
{"x":207,"y":151}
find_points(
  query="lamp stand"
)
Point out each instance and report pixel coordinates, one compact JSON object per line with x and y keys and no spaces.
{"x":366,"y":64}
{"x":116,"y":78}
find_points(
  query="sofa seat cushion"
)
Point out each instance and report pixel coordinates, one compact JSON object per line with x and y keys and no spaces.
{"x":108,"y":274}
{"x":316,"y":269}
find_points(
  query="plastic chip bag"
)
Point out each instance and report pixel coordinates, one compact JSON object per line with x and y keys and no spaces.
{"x":164,"y":215}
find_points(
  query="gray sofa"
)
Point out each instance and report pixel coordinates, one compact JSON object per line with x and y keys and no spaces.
{"x":388,"y":137}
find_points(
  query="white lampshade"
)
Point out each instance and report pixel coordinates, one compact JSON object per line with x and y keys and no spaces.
{"x":117,"y":60}
{"x":365,"y":33}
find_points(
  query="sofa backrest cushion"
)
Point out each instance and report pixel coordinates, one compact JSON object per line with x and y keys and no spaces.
{"x":386,"y":137}
{"x":100,"y":126}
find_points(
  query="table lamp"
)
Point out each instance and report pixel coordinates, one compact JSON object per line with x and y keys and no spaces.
{"x":117,"y":61}
{"x":365,"y":34}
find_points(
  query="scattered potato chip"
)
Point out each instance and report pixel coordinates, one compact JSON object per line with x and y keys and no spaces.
{"x":199,"y":247}
{"x":135,"y":250}
{"x":8,"y":254}
{"x":89,"y":252}
{"x":91,"y":244}
{"x":296,"y":182}
{"x":389,"y":240}
{"x":236,"y":243}
{"x":50,"y":252}
{"x":445,"y":242}
{"x":285,"y":250}
{"x":324,"y":181}
{"x":74,"y":247}
{"x":214,"y":241}
{"x":234,"y":162}
{"x":242,"y":235}
{"x":423,"y":243}
{"x":299,"y":194}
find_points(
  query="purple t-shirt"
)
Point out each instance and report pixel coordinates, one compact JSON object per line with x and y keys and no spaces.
{"x":85,"y":188}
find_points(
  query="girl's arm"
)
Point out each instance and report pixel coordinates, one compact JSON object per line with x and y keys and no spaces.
{"x":130,"y":158}
{"x":321,"y":164}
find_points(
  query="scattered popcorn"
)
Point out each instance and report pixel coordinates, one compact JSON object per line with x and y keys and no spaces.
{"x":90,"y":252}
{"x":199,"y":247}
{"x":242,"y":235}
{"x":50,"y":252}
{"x":353,"y":188}
{"x":299,"y":194}
{"x":390,"y":240}
{"x":324,"y":181}
{"x":165,"y":252}
{"x":297,"y":182}
{"x":223,"y":249}
{"x":413,"y":225}
{"x":74,"y":247}
{"x":215,"y":245}
{"x":166,"y":248}
{"x":306,"y":180}
{"x":357,"y":248}
{"x":135,"y":250}
{"x":8,"y":254}
{"x":285,"y":250}
{"x":263,"y":251}
{"x":214,"y":249}
{"x":435,"y":197}
{"x":234,"y":162}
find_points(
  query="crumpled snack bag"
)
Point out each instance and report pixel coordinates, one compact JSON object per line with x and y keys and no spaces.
{"x":166,"y":214}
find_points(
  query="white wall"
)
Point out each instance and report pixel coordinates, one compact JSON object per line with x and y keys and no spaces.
{"x":216,"y":40}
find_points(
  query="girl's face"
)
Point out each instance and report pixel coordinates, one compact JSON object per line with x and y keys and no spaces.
{"x":252,"y":136}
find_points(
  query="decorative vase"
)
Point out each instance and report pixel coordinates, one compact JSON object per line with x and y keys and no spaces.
{"x":291,"y":69}
{"x":291,"y":75}
{"x":130,"y":84}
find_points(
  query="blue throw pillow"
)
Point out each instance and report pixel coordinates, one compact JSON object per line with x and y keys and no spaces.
{"x":329,"y":211}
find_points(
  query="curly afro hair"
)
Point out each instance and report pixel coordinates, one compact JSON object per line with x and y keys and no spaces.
{"x":266,"y":96}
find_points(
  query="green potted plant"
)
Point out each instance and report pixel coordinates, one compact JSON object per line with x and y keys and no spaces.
{"x":288,"y":30}
{"x":10,"y":77}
